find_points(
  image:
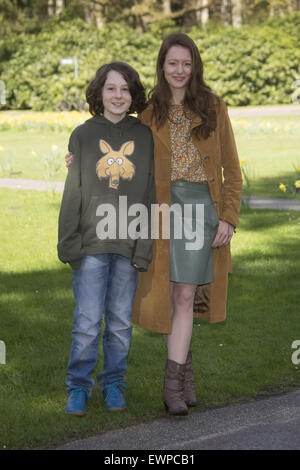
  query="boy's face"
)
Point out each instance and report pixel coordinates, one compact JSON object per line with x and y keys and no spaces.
{"x":116,"y":97}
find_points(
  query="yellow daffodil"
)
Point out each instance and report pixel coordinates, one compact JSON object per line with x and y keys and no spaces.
{"x":1,"y":148}
{"x":242,"y":162}
{"x":287,"y":126}
{"x":34,"y":121}
{"x":282,"y":187}
{"x":297,"y":184}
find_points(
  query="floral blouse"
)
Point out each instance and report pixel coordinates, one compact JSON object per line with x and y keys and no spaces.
{"x":186,"y":163}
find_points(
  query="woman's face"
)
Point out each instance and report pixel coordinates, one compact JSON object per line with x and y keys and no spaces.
{"x":116,"y":96}
{"x":178,"y":67}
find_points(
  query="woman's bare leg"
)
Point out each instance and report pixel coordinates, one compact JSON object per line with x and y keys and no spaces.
{"x":178,"y":341}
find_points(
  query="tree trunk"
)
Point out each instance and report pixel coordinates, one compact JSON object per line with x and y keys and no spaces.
{"x":226,"y":12}
{"x":59,"y":6}
{"x":205,"y":12}
{"x":236,"y":11}
{"x":166,"y":4}
{"x":51,"y":8}
{"x":97,"y":15}
{"x":195,"y":12}
{"x":87,"y":14}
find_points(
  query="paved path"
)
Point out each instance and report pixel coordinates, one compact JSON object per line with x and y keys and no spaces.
{"x":284,"y":110}
{"x":260,"y":202}
{"x":271,"y":423}
{"x":37,"y":185}
{"x":255,"y":202}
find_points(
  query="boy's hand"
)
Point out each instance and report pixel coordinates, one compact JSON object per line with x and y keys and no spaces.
{"x":68,"y":159}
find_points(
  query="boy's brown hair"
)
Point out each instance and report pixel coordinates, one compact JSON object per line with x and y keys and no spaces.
{"x":130,"y":75}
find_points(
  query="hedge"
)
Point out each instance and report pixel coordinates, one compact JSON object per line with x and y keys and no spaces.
{"x":246,"y":66}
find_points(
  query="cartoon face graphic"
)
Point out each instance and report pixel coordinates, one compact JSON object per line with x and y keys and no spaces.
{"x":114,"y":165}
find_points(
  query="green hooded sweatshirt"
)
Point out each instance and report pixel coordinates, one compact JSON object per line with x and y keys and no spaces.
{"x":112,"y":169}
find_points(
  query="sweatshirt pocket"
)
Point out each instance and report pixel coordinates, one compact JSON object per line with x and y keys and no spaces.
{"x":95,"y":210}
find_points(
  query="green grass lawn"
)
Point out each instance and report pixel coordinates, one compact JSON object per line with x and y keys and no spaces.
{"x":268,"y":145}
{"x":25,"y":155}
{"x":270,"y":149}
{"x":247,"y":356}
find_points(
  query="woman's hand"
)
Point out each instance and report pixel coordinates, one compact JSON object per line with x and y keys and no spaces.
{"x":224,"y":234}
{"x":68,"y":159}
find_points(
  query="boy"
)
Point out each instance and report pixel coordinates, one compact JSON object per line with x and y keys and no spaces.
{"x":112,"y":163}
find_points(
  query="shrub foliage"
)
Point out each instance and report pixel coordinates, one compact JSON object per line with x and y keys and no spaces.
{"x":246,"y":66}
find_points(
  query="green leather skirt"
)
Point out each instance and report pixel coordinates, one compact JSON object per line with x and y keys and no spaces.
{"x":194,"y":223}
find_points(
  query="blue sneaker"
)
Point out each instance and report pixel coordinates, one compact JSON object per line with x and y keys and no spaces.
{"x":76,"y":404}
{"x":114,"y":396}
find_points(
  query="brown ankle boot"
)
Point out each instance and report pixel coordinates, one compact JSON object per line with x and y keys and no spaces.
{"x":189,"y":394}
{"x":173,"y":388}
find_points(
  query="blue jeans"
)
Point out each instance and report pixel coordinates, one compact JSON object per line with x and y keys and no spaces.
{"x":104,"y":283}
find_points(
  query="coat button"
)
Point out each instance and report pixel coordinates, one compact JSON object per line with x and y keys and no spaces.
{"x":211,"y":180}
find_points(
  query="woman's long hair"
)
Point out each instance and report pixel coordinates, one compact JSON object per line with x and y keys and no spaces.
{"x":198,"y":99}
{"x":130,"y":75}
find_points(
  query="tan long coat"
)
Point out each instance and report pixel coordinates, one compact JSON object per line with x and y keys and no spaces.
{"x":152,"y":302}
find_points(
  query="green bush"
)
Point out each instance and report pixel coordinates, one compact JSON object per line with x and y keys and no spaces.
{"x":246,"y":66}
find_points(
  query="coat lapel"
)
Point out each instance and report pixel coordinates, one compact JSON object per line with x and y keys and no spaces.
{"x":164,"y":135}
{"x":197,"y":120}
{"x":203,"y":145}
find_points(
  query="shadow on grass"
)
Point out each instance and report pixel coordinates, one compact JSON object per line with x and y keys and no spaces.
{"x":36,"y":312}
{"x":37,"y":316}
{"x":36,"y":323}
{"x":251,"y":220}
{"x":40,"y":296}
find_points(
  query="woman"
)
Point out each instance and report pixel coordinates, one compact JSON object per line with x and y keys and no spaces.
{"x":193,"y":146}
{"x":195,"y":161}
